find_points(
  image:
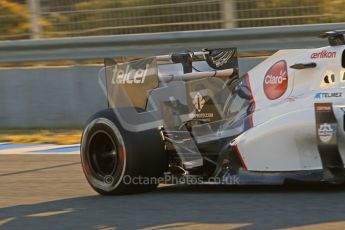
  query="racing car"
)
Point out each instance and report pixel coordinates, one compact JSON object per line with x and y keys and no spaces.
{"x":188,"y":117}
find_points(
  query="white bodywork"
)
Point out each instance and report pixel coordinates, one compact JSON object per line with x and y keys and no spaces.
{"x":283,"y":136}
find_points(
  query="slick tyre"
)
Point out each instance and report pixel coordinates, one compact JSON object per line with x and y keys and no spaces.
{"x":116,"y":161}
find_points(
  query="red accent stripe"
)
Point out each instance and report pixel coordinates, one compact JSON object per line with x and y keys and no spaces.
{"x":251,"y":122}
{"x":240,"y":158}
{"x":86,"y":168}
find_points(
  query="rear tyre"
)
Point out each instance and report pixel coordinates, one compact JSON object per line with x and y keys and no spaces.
{"x":117,"y":161}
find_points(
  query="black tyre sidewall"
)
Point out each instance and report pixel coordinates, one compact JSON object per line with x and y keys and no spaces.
{"x":140,"y":154}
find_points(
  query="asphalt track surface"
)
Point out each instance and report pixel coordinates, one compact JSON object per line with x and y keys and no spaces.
{"x":50,"y":192}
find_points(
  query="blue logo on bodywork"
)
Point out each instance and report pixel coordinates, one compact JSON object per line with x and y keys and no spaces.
{"x":317,"y":96}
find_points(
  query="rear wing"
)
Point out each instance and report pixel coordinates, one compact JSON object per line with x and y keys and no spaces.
{"x":335,"y":38}
{"x":138,"y":77}
{"x":218,"y":59}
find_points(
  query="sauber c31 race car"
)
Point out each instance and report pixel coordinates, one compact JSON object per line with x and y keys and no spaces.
{"x":188,"y":117}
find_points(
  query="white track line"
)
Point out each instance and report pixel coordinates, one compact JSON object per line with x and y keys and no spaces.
{"x":45,"y":149}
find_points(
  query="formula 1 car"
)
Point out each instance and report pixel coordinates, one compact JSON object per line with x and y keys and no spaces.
{"x":188,"y":117}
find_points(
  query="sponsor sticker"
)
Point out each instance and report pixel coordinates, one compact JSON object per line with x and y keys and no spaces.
{"x":276,"y":80}
{"x":203,"y":115}
{"x":326,"y":132}
{"x":319,"y":96}
{"x":323,"y":54}
{"x":198,"y":102}
{"x":323,"y":107}
{"x":134,"y":72}
{"x":129,"y":76}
